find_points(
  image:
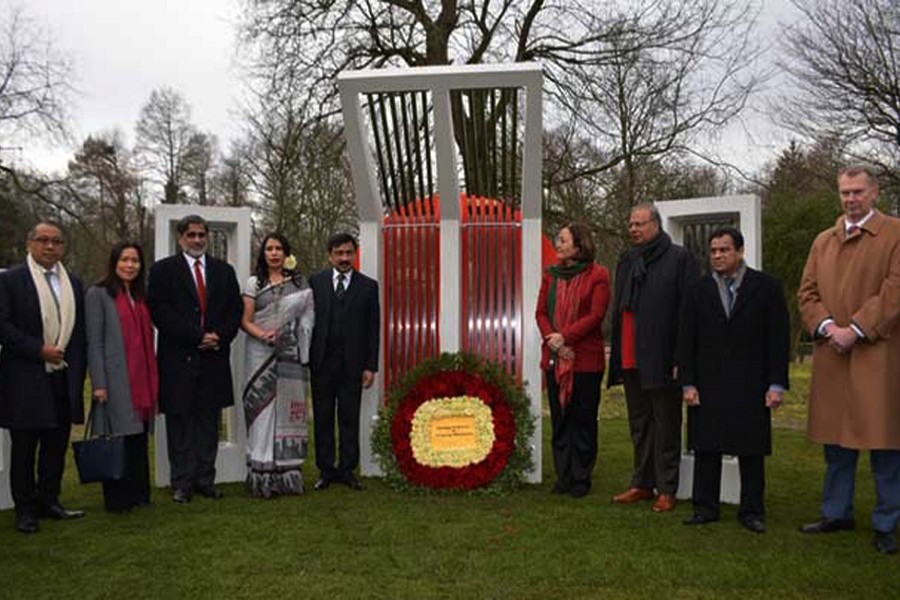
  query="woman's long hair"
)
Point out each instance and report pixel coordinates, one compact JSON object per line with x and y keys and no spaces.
{"x":113,"y":283}
{"x":262,"y":267}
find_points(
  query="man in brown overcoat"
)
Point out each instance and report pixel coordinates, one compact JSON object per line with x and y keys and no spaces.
{"x":850,"y":302}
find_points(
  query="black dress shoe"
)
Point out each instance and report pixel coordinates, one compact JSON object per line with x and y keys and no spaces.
{"x":826,"y":525}
{"x":579,"y":490}
{"x":322,"y":484}
{"x":754,"y":524}
{"x":697,"y":519}
{"x":885,"y":542}
{"x":181,"y":496}
{"x":60,"y":513}
{"x":211,"y":491}
{"x":559,"y":488}
{"x":353,"y":483}
{"x":27,"y":523}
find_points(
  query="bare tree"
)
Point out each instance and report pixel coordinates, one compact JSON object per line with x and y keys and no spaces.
{"x":642,"y":77}
{"x":844,"y":55}
{"x":164,"y":133}
{"x":35,"y":88}
{"x":200,"y":161}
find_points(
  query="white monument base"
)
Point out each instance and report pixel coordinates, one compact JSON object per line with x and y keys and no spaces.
{"x":5,"y":494}
{"x":731,"y":479}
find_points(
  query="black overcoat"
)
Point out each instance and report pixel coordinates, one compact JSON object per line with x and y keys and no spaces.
{"x":26,"y":398}
{"x":656,"y":317}
{"x":732,"y":362}
{"x":191,"y":379}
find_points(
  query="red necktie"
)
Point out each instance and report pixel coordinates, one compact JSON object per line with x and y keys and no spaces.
{"x":201,"y":288}
{"x":852,"y":230}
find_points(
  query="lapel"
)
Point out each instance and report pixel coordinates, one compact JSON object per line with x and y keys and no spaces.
{"x":187,"y":278}
{"x":712,"y":291}
{"x":748,"y":288}
{"x":326,"y":287}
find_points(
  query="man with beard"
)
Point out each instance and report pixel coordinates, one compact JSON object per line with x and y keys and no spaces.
{"x":652,"y":279}
{"x":196,"y":305}
{"x":344,"y":358}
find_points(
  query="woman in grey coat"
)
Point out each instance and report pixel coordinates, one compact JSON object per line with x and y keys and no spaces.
{"x":122,"y":366}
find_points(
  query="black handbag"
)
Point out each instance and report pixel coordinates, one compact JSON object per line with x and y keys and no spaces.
{"x":99,"y":457}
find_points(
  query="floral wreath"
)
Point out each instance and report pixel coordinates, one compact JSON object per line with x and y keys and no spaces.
{"x":493,"y":407}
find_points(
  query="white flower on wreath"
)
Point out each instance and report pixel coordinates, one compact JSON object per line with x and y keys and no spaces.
{"x":290,"y":262}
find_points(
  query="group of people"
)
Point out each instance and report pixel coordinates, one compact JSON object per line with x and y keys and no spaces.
{"x":720,"y":344}
{"x":52,"y":332}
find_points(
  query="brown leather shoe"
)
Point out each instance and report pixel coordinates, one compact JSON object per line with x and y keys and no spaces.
{"x":633,"y":495}
{"x":664,"y":503}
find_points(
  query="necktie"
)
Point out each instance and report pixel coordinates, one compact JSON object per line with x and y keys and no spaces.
{"x":729,"y":291}
{"x":201,"y":287}
{"x":852,"y":230}
{"x":340,"y":289}
{"x":48,"y":275}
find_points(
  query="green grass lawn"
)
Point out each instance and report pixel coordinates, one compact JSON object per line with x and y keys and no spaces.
{"x":381,"y":544}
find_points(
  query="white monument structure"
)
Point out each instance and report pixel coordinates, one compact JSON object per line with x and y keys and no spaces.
{"x":698,"y":216}
{"x":230,"y":241}
{"x":460,"y":262}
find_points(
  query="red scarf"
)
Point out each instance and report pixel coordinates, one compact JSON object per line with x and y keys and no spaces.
{"x":568,"y":296}
{"x":137,"y":335}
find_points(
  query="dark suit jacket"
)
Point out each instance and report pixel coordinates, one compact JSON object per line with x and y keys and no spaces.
{"x":733,"y":361}
{"x":191,"y":379}
{"x":26,"y":398}
{"x":362,"y":330}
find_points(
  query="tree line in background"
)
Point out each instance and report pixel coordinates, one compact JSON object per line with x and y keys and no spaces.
{"x":634,"y":89}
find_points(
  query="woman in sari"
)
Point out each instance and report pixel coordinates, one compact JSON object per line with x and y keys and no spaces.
{"x":570,"y":309}
{"x":278,"y":319}
{"x":122,"y":365}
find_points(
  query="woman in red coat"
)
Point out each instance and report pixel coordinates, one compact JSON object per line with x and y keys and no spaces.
{"x":570,"y":310}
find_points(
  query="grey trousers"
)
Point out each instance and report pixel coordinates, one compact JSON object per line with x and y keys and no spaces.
{"x":654,"y":417}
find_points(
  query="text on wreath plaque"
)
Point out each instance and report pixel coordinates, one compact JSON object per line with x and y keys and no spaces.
{"x":453,"y":433}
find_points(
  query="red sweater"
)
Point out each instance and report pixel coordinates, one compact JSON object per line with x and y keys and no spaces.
{"x":585,"y":335}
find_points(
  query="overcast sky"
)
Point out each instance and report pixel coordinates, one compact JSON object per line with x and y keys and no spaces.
{"x":123,"y":49}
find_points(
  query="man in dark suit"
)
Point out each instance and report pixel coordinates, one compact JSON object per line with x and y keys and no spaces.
{"x":652,"y":279}
{"x":733,"y":352}
{"x":344,"y":357}
{"x":42,"y":367}
{"x":196,"y":305}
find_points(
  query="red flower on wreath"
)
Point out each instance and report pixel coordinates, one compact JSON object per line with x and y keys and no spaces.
{"x":450,"y":384}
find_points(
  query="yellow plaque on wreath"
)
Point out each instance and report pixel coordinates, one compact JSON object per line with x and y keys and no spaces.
{"x":452,"y":432}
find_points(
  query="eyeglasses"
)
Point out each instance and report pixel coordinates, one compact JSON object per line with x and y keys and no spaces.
{"x":49,"y":241}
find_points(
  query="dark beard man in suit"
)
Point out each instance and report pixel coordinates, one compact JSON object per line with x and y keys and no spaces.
{"x":42,"y":366}
{"x":196,"y":306}
{"x":344,"y":358}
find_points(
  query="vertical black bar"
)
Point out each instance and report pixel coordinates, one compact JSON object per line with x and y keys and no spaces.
{"x":459,"y":120}
{"x":476,"y":181}
{"x":493,"y":133}
{"x":417,"y":135}
{"x":385,"y":190}
{"x":398,"y":143}
{"x":504,"y":151}
{"x":410,"y":159}
{"x":515,"y":146}
{"x":390,"y":159}
{"x":428,"y":152}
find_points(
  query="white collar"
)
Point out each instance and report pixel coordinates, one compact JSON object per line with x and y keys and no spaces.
{"x":860,"y":223}
{"x":191,"y":260}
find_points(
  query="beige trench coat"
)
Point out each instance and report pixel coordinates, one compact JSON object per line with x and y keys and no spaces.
{"x":855,"y":397}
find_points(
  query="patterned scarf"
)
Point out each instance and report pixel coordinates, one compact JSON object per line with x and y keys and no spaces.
{"x":566,"y":290}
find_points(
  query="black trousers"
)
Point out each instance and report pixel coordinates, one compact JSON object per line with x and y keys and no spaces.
{"x":708,"y":484}
{"x":134,"y":489}
{"x":192,"y":440}
{"x":654,"y":417}
{"x":574,"y":438}
{"x":334,"y":389}
{"x":44,"y":448}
